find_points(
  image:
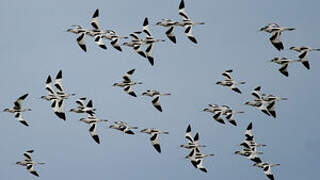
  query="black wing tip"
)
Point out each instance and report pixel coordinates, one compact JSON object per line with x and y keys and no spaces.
{"x":145,"y":22}
{"x":96,"y":139}
{"x":103,"y":46}
{"x":173,"y":39}
{"x":132,"y":94}
{"x":83,"y":47}
{"x":61,"y":115}
{"x":129,"y":132}
{"x":193,"y":39}
{"x":181,"y":5}
{"x":306,"y":64}
{"x":34,"y":173}
{"x":141,"y":53}
{"x":279,"y":46}
{"x":118,"y":48}
{"x":157,"y":147}
{"x":203,"y":170}
{"x":151,"y":60}
{"x":236,"y":90}
{"x":25,"y":123}
{"x":96,"y":13}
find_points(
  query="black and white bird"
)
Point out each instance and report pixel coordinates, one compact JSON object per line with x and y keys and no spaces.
{"x":156,"y":94}
{"x":275,"y":30}
{"x":18,"y":110}
{"x":266,"y":168}
{"x":84,"y":108}
{"x":57,"y":97}
{"x":249,"y":142}
{"x":218,"y":111}
{"x":263,"y":102}
{"x":114,"y":39}
{"x":29,"y":163}
{"x":303,"y":53}
{"x":136,"y":43}
{"x":284,"y":62}
{"x":196,"y":160}
{"x":123,"y":126}
{"x":187,"y":23}
{"x":229,"y":82}
{"x":93,"y":121}
{"x":170,"y":24}
{"x":127,"y":83}
{"x":193,"y":141}
{"x":154,"y":137}
{"x":77,"y":29}
{"x":149,"y":40}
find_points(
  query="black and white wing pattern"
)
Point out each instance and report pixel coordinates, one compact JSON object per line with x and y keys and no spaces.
{"x":154,"y":141}
{"x":58,"y":108}
{"x":93,"y":132}
{"x":156,"y":103}
{"x":58,"y":83}
{"x":81,"y":43}
{"x":19,"y":117}
{"x":182,"y":11}
{"x":18,"y":102}
{"x":30,"y":168}
{"x":95,"y":20}
{"x":276,"y":40}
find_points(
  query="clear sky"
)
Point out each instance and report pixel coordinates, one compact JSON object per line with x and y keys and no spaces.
{"x":34,"y":44}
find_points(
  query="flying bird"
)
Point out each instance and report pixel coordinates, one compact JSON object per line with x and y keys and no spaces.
{"x":127,"y":83}
{"x":229,"y":82}
{"x":303,"y":53}
{"x":18,"y":110}
{"x":93,"y":121}
{"x":29,"y":163}
{"x":156,"y":94}
{"x":275,"y":30}
{"x":187,"y":23}
{"x":154,"y":137}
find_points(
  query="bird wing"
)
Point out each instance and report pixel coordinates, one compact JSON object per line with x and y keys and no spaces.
{"x":182,"y":11}
{"x":95,"y":20}
{"x":58,"y":83}
{"x":18,"y":102}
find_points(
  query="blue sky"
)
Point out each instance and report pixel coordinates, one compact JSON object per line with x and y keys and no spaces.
{"x":35,"y":45}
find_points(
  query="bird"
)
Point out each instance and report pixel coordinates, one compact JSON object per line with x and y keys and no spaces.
{"x":136,"y":42}
{"x":123,"y":126}
{"x":127,"y":83}
{"x":156,"y":94}
{"x":187,"y":22}
{"x":170,"y":24}
{"x":285,"y":63}
{"x":275,"y":30}
{"x":92,"y":121}
{"x":249,"y":142}
{"x":149,"y":40}
{"x":229,"y":82}
{"x":303,"y":53}
{"x":77,"y":29}
{"x":114,"y":39}
{"x":82,"y":108}
{"x":154,"y":137}
{"x":29,"y":163}
{"x":266,"y":168}
{"x":250,"y":154}
{"x":18,"y":110}
{"x":196,"y":161}
{"x":264,"y":103}
{"x":193,"y":141}
{"x":58,"y":97}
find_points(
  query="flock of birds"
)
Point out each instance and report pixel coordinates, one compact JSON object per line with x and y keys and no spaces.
{"x":265,"y":103}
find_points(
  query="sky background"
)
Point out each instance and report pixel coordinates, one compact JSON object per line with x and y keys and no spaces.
{"x":34,"y":44}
